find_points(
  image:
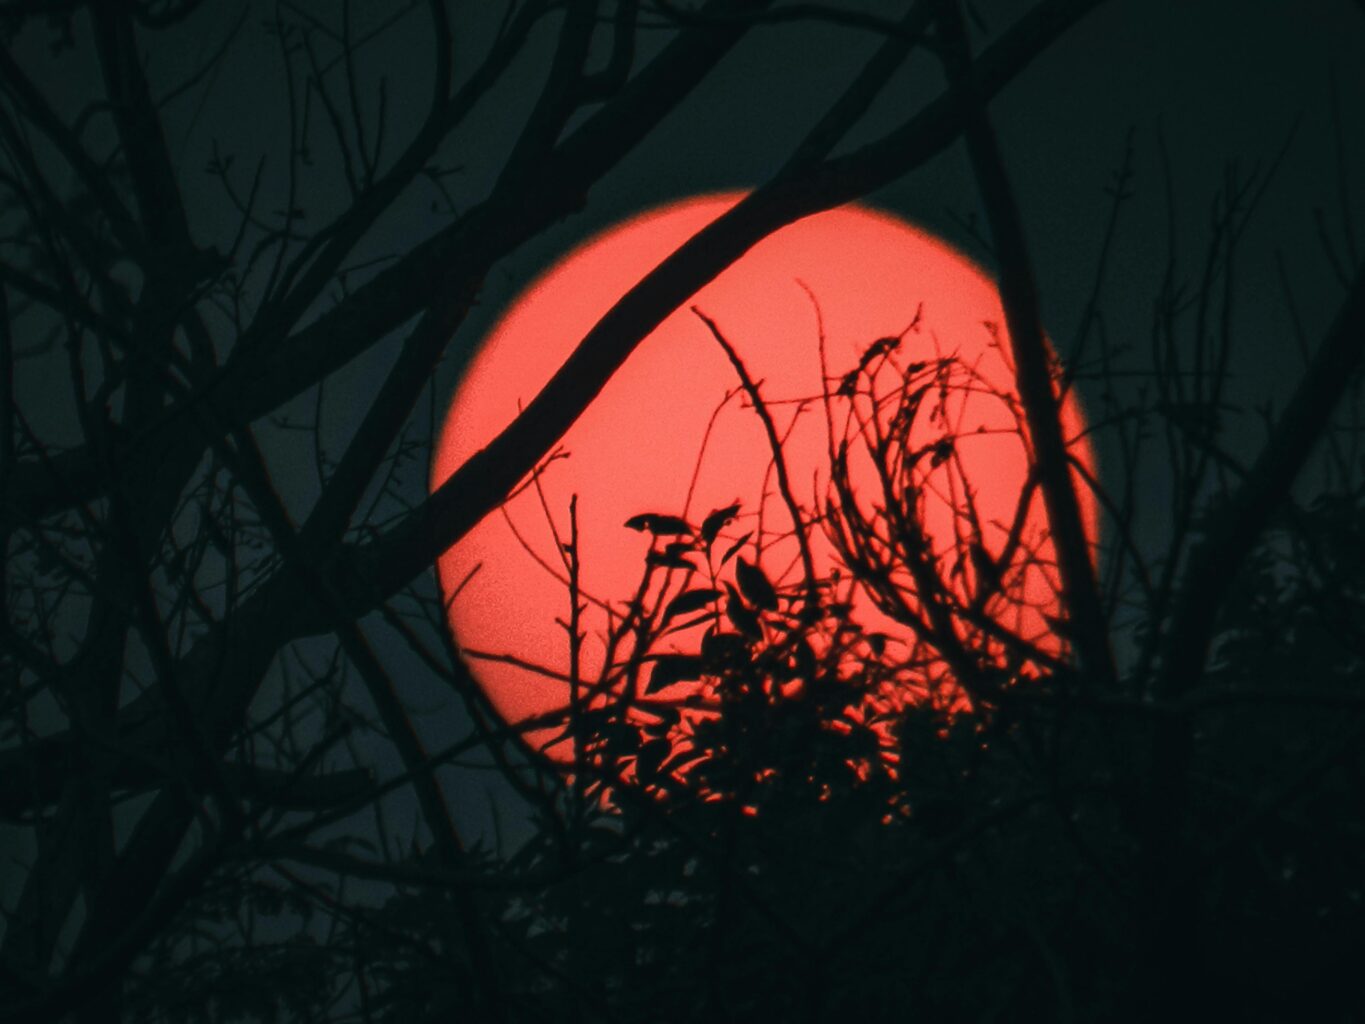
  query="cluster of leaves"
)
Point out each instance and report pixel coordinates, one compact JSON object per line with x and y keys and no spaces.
{"x":734,"y":681}
{"x":998,"y":869}
{"x":288,"y":971}
{"x":717,"y":678}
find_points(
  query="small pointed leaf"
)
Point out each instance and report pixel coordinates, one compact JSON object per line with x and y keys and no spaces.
{"x":716,"y":521}
{"x":754,"y":585}
{"x":733,"y":549}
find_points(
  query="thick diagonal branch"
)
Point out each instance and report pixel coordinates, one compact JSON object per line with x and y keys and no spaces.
{"x":1032,"y":357}
{"x":367,"y":575}
{"x":1234,"y":530}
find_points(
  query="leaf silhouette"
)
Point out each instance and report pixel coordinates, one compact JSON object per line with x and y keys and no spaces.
{"x":673,"y":668}
{"x":659,"y":524}
{"x":670,"y":559}
{"x":715,"y":522}
{"x":744,"y":618}
{"x":670,"y":526}
{"x":690,"y":601}
{"x":755,"y":586}
{"x":733,"y":549}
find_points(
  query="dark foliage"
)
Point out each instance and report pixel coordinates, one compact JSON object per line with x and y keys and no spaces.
{"x":219,"y":795}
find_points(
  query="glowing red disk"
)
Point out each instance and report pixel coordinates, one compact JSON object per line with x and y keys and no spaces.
{"x":870,"y":276}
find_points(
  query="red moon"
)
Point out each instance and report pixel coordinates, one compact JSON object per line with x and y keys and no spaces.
{"x":654,"y":441}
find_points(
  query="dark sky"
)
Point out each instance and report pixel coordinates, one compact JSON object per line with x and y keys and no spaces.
{"x":1223,"y":81}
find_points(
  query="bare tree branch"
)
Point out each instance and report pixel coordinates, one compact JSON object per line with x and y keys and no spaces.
{"x":1237,"y":525}
{"x":1037,"y":388}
